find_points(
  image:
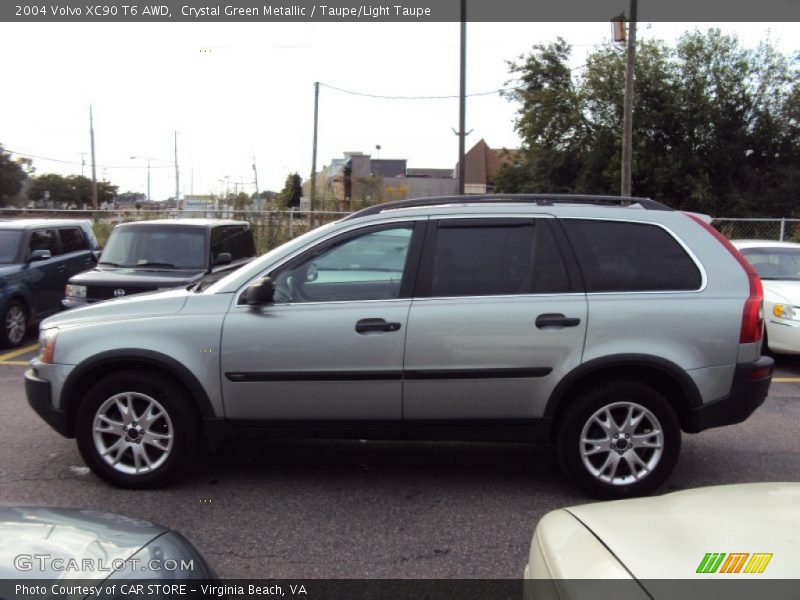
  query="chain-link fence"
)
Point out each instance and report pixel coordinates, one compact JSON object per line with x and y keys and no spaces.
{"x":271,"y":228}
{"x":784,"y":230}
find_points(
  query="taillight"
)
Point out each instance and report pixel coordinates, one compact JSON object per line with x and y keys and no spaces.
{"x":753,"y":314}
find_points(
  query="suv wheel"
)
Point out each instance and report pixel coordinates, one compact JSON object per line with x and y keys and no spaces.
{"x":15,"y":324}
{"x":620,"y":439}
{"x":137,"y":430}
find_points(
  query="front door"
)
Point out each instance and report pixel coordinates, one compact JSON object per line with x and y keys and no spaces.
{"x":331,"y":345}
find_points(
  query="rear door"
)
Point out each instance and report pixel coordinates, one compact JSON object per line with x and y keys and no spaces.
{"x":498,"y":318}
{"x":76,"y":253}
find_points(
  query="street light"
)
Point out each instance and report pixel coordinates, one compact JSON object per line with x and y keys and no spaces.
{"x":148,"y":175}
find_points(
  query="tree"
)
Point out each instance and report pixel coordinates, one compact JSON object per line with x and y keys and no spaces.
{"x":292,"y":191}
{"x":72,"y":190}
{"x":715,"y":125}
{"x":12,"y":175}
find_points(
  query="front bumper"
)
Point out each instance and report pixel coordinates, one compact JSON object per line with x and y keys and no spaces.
{"x":38,"y":393}
{"x":748,"y":392}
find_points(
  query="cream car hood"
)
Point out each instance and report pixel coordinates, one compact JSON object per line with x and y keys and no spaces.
{"x":667,"y":537}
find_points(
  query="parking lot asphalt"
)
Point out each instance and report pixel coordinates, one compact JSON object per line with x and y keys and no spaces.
{"x":287,"y":509}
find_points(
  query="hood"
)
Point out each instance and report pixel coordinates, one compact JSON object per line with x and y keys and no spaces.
{"x":782,"y":291}
{"x":139,"y":305}
{"x":63,"y":533}
{"x":667,"y":537}
{"x":6,"y":270}
{"x":155,"y":278}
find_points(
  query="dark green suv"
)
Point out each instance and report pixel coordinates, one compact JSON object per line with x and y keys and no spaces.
{"x":37,"y":257}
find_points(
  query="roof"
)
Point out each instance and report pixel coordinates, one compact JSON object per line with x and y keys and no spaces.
{"x":432,"y":173}
{"x":763,"y":244}
{"x":185,"y":222}
{"x":35,"y":223}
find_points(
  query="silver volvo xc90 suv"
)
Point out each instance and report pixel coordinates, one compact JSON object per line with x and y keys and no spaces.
{"x":605,"y":325}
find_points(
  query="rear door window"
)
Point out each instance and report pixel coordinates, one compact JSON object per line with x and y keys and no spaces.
{"x":618,"y":256}
{"x":72,"y":240}
{"x":489,"y":257}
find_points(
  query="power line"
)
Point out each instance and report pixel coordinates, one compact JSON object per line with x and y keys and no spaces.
{"x":385,"y":97}
{"x":72,"y":162}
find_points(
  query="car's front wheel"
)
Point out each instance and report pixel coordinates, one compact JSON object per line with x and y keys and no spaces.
{"x":137,"y":429}
{"x":619,"y":439}
{"x":15,"y":324}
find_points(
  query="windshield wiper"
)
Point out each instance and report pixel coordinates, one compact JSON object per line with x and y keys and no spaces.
{"x":113,"y":264}
{"x":153,"y":264}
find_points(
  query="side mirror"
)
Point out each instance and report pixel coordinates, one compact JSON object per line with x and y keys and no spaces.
{"x":39,"y":255}
{"x":261,"y":292}
{"x":223,"y":258}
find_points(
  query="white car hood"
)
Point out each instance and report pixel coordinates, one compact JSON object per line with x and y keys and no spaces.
{"x":667,"y":537}
{"x":782,"y":291}
{"x":140,"y":305}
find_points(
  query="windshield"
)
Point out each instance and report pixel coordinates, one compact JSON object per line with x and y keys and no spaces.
{"x":163,"y":247}
{"x":775,"y":263}
{"x":9,"y":245}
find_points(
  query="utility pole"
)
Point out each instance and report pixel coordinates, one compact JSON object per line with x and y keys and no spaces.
{"x":313,"y":200}
{"x":462,"y":98}
{"x":148,"y":180}
{"x":177,"y":176}
{"x":94,"y":165}
{"x":627,"y":112}
{"x":83,"y":163}
{"x":255,"y":178}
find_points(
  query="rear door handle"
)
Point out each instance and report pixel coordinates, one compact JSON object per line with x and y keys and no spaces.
{"x":368,"y":325}
{"x":556,"y":320}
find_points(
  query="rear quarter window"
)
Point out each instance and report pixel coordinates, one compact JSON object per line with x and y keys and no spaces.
{"x":618,"y":256}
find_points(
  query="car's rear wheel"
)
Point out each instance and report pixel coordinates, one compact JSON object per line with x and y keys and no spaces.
{"x":137,"y":429}
{"x":15,"y":324}
{"x":620,"y":439}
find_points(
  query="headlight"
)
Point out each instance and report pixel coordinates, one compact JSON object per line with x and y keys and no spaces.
{"x":47,"y":345}
{"x":786,"y":311}
{"x":76,"y":291}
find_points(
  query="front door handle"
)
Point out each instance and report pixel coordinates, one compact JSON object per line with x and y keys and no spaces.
{"x":368,"y":325}
{"x":556,"y":320}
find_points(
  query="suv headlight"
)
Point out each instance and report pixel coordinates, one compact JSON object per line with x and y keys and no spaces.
{"x":76,"y":291}
{"x":786,"y":311}
{"x":47,"y":345}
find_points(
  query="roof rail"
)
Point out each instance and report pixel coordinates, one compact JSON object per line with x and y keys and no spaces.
{"x":538,"y":199}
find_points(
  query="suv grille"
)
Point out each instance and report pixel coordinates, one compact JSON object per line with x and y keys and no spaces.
{"x":97,"y":292}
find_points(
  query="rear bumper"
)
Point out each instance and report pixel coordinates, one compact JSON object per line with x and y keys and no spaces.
{"x":748,"y":392}
{"x":38,"y":393}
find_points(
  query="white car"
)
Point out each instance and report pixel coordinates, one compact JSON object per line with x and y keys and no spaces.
{"x":778,"y":266}
{"x":730,"y":532}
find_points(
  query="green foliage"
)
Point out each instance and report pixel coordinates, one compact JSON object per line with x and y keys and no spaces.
{"x":292,"y":191}
{"x":70,"y":190}
{"x":12,"y":175}
{"x":715,"y":126}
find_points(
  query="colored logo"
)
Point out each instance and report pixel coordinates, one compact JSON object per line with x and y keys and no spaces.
{"x":734,"y":562}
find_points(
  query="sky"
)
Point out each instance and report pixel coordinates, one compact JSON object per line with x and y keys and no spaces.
{"x":235,"y":91}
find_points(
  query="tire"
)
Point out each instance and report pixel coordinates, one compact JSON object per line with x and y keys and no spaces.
{"x":15,"y":324}
{"x":625,"y":470}
{"x":146,"y":455}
